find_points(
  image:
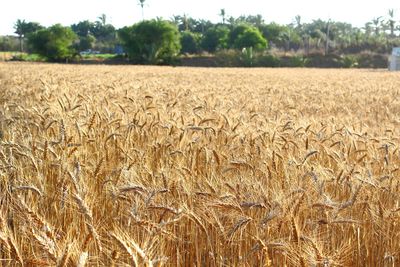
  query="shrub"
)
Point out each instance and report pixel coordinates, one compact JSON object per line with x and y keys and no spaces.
{"x":215,"y":38}
{"x":349,"y":61}
{"x":151,"y":42}
{"x":54,"y":43}
{"x":267,"y":60}
{"x":28,"y":57}
{"x":247,"y":56}
{"x":190,"y":42}
{"x":299,"y":61}
{"x":228,"y":58}
{"x":86,"y":42}
{"x":235,"y":32}
{"x":250,"y":38}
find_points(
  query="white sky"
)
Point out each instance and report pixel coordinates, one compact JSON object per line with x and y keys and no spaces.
{"x":126,"y":12}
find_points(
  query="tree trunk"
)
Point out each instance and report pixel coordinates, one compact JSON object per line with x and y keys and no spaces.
{"x":21,"y":44}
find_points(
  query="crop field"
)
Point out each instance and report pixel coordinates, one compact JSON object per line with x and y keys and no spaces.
{"x":162,"y":166}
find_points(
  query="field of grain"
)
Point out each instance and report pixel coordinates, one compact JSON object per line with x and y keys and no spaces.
{"x":162,"y":166}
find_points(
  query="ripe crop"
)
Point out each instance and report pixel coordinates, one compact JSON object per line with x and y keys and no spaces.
{"x":161,"y":166}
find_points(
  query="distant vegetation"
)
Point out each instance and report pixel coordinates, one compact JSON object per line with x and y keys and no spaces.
{"x":247,"y":37}
{"x":152,"y":41}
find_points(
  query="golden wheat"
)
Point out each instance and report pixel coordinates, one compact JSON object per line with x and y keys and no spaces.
{"x":161,"y":166}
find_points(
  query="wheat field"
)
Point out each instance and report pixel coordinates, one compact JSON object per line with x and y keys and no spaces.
{"x":162,"y":166}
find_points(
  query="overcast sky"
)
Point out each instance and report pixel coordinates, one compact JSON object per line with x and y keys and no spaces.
{"x":126,"y":12}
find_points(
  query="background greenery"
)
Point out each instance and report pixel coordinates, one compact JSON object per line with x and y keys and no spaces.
{"x":234,"y":41}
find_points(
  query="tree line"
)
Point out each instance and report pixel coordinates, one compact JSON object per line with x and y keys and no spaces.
{"x":160,"y":41}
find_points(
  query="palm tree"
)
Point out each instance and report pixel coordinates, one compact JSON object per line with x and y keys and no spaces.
{"x":258,"y":20}
{"x":231,"y":21}
{"x":223,"y":14}
{"x":20,"y":29}
{"x":103,"y":19}
{"x":377,"y":22}
{"x":299,"y":25}
{"x":367,"y":29}
{"x":185,"y":22}
{"x":328,"y":28}
{"x":141,"y":3}
{"x":286,"y":37}
{"x":391,"y":22}
{"x":176,"y":19}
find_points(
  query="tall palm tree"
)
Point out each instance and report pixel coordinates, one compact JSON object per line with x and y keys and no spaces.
{"x":328,"y":28}
{"x":377,"y":22}
{"x":20,"y":29}
{"x":368,"y":29}
{"x":258,"y":20}
{"x":103,"y":19}
{"x":141,"y":3}
{"x":391,"y":22}
{"x":185,"y":22}
{"x":231,"y":21}
{"x":223,"y":14}
{"x":299,"y":25}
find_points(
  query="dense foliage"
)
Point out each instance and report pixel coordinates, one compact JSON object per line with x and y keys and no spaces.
{"x":190,"y":42}
{"x":98,"y":35}
{"x":151,"y":41}
{"x":187,"y":35}
{"x":250,"y":37}
{"x":215,"y":38}
{"x":55,"y":43}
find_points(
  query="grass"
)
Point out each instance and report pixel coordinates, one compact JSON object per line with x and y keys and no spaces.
{"x":4,"y":56}
{"x":18,"y":56}
{"x":151,"y":166}
{"x":100,"y":56}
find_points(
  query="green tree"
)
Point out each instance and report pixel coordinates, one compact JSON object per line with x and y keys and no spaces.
{"x":86,"y":42}
{"x":19,"y":27}
{"x":83,"y":28}
{"x":251,"y":37}
{"x":190,"y":42}
{"x":9,"y":43}
{"x":23,"y":28}
{"x":222,"y":13}
{"x":273,"y":32}
{"x":256,"y":20}
{"x":377,"y":22}
{"x":105,"y":35}
{"x":151,"y":41}
{"x":391,"y":22}
{"x":186,"y":23}
{"x":55,"y":43}
{"x":102,"y":19}
{"x":215,"y":38}
{"x":202,"y":26}
{"x":86,"y":30}
{"x":298,"y":23}
{"x":237,"y":30}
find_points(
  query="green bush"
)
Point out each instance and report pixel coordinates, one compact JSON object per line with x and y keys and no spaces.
{"x":349,"y":61}
{"x":86,"y":42}
{"x":228,"y":58}
{"x":28,"y":57}
{"x":247,"y":56}
{"x":251,"y":37}
{"x":215,"y":38}
{"x":267,"y":60}
{"x":54,"y":43}
{"x":190,"y":42}
{"x":235,"y":32}
{"x":151,"y":42}
{"x":298,"y":61}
